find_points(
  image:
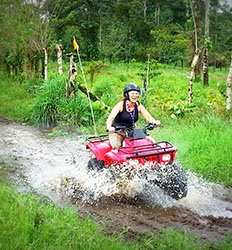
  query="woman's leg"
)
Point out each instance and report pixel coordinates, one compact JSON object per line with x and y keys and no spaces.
{"x":116,"y":140}
{"x":151,"y":139}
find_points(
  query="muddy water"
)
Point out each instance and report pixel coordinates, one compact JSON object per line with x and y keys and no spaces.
{"x":57,"y":168}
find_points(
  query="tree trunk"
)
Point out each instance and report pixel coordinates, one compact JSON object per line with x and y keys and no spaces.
{"x":45,"y":70}
{"x":228,"y":89}
{"x":158,"y":14}
{"x":192,"y":76}
{"x":100,"y":33}
{"x":59,"y":58}
{"x":206,"y":53}
{"x":145,"y":10}
{"x":195,"y":27}
{"x":70,"y":85}
{"x":205,"y":67}
{"x":196,"y":23}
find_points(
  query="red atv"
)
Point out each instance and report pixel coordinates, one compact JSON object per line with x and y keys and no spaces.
{"x":169,"y":176}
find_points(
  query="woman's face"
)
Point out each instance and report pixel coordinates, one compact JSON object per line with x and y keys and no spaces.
{"x":133,"y":96}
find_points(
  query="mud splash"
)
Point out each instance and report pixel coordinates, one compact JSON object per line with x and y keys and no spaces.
{"x":57,"y":168}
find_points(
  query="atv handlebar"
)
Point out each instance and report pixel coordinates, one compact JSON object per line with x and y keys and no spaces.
{"x":149,"y":126}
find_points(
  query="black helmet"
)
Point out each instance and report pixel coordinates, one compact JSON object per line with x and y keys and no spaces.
{"x":130,"y":87}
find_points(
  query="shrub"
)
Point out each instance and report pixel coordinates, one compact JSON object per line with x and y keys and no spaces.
{"x":45,"y":111}
{"x":53,"y":107}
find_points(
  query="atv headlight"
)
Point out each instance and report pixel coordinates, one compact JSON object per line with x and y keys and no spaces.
{"x":166,"y":157}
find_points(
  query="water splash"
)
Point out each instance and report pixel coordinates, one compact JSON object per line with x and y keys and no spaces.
{"x":206,"y":199}
{"x":57,"y":168}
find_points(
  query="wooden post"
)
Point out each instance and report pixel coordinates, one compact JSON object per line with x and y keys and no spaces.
{"x":205,"y":67}
{"x":228,"y":89}
{"x":70,"y":85}
{"x":59,"y":58}
{"x":45,"y":64}
{"x":192,"y":77}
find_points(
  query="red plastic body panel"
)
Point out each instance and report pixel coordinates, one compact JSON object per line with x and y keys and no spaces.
{"x":142,"y":150}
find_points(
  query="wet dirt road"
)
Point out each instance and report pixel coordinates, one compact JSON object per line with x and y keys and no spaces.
{"x":56,"y":168}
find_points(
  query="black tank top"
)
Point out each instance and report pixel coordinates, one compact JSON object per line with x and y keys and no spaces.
{"x":126,"y":118}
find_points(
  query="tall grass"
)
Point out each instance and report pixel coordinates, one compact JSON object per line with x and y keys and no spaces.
{"x":28,"y":223}
{"x":52,"y":107}
{"x":15,"y":102}
{"x":45,"y":111}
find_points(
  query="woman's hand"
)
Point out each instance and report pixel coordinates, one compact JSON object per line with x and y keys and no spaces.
{"x":111,"y":129}
{"x":156,"y":122}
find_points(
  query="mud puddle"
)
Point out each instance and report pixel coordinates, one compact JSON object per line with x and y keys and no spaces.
{"x":57,"y":168}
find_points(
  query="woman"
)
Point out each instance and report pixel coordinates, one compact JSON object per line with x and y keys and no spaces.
{"x":126,"y":113}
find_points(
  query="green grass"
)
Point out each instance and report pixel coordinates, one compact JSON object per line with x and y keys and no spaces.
{"x":15,"y":102}
{"x":27,"y":222}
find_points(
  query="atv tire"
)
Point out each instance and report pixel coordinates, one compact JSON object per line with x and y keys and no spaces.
{"x":95,"y":164}
{"x":173,"y":180}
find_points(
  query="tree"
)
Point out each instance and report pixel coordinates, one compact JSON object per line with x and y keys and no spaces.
{"x":24,"y":34}
{"x":221,"y":38}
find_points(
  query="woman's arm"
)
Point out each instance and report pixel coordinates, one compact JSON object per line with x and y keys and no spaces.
{"x":147,"y":116}
{"x":116,"y":109}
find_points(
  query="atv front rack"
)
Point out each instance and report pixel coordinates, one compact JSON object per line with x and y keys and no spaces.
{"x":143,"y":150}
{"x":98,"y":138}
{"x":161,"y":147}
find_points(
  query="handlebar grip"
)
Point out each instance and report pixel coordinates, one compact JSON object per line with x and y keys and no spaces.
{"x":151,"y":126}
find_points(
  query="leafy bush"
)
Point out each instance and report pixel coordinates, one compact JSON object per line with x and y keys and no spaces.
{"x":94,"y":68}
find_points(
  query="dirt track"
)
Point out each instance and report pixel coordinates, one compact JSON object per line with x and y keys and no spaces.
{"x":41,"y":164}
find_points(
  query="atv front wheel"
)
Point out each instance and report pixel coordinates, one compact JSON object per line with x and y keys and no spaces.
{"x":173,"y":180}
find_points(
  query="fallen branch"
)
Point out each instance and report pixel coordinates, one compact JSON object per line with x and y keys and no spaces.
{"x":92,"y":97}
